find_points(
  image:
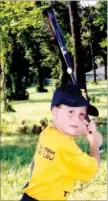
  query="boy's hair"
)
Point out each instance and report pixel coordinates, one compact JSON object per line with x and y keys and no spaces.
{"x":71,"y":95}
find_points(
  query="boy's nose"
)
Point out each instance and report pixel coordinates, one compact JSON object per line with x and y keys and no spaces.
{"x":76,"y":117}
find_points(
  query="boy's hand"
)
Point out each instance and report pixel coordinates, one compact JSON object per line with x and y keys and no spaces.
{"x":93,"y":135}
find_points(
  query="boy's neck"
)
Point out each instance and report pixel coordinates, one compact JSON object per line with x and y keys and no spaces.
{"x":53,"y":125}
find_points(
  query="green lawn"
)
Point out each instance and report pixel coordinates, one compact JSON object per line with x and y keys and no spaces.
{"x":17,"y":150}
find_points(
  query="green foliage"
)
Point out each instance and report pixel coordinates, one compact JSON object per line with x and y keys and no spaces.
{"x":94,"y":31}
{"x":103,"y":44}
{"x":24,"y":28}
{"x":101,"y":18}
{"x":4,"y":125}
{"x":28,"y":54}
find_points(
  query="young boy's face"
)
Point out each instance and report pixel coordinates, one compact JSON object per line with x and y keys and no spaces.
{"x":69,"y":120}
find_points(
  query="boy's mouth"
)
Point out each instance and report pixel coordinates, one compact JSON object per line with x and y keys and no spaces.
{"x":74,"y":126}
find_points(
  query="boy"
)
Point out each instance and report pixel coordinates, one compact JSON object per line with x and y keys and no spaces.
{"x":58,"y":161}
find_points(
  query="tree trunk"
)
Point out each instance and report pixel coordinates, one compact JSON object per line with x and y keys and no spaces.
{"x":76,"y":36}
{"x":2,"y":85}
{"x":40,"y":80}
{"x":105,"y":69}
{"x":93,"y":63}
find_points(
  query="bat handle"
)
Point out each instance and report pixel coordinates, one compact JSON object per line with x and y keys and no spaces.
{"x":101,"y":150}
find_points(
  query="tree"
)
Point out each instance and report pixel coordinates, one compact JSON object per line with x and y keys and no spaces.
{"x":76,"y":36}
{"x":94,"y":33}
{"x":101,"y":22}
{"x":23,"y":36}
{"x":8,"y":17}
{"x":88,"y":35}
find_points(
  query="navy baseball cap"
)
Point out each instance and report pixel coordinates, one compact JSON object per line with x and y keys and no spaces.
{"x":71,"y":95}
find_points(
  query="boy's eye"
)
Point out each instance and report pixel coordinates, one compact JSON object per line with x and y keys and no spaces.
{"x":70,"y":111}
{"x":83,"y":115}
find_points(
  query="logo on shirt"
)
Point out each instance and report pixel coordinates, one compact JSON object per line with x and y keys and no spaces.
{"x":66,"y":193}
{"x":45,"y":152}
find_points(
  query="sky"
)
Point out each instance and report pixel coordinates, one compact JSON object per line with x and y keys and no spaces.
{"x":87,"y":2}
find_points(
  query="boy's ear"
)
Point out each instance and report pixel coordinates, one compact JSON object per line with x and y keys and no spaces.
{"x":54,"y":111}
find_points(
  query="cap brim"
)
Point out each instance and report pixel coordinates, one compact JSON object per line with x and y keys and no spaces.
{"x":93,"y":111}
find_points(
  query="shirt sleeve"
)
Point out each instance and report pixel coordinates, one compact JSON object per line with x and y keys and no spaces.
{"x":77,"y":164}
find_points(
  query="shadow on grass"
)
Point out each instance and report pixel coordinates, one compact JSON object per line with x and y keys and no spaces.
{"x":99,"y":106}
{"x":99,"y":91}
{"x":96,"y":94}
{"x":13,"y":153}
{"x":40,"y":101}
{"x":19,"y":151}
{"x":101,"y":119}
{"x":45,"y":100}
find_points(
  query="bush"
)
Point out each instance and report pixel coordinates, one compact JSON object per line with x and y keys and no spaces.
{"x":22,"y":95}
{"x":94,"y":99}
{"x":8,"y":107}
{"x":4,"y":125}
{"x":39,"y":89}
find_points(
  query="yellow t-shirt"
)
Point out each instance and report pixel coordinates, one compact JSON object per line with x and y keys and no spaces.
{"x":58,"y":163}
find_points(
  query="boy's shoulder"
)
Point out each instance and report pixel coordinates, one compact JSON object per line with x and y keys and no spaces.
{"x":55,"y":140}
{"x":54,"y":135}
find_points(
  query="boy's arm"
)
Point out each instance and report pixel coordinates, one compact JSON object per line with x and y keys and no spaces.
{"x":94,"y":150}
{"x":78,"y":164}
{"x":95,"y":141}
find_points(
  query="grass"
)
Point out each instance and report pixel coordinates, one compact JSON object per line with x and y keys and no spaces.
{"x":17,"y":150}
{"x":16,"y":154}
